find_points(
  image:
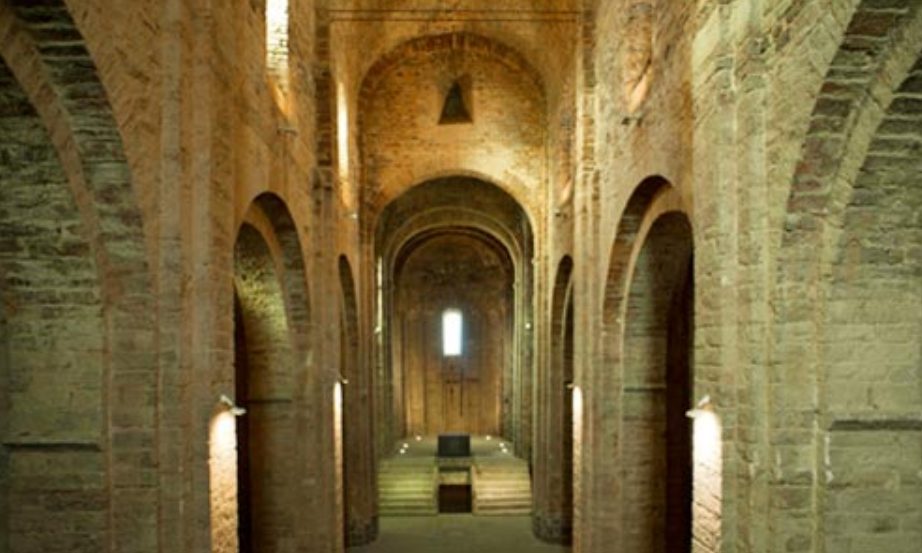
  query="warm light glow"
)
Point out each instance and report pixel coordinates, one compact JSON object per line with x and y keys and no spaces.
{"x":707,"y":438}
{"x":708,"y":479}
{"x":277,"y":41}
{"x":577,"y":460}
{"x":223,"y":481}
{"x":338,"y":450}
{"x":452,"y":332}
{"x":342,"y":132}
{"x":637,"y":96}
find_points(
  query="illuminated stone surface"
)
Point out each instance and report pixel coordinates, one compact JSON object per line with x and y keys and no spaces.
{"x":653,"y":201}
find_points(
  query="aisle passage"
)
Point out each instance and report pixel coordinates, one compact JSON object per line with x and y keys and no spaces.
{"x":457,"y":534}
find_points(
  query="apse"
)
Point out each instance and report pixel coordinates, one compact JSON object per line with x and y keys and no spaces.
{"x":455,"y":273}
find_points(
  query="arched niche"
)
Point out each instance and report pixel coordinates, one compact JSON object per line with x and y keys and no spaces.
{"x":265,"y":386}
{"x":274,"y":382}
{"x":474,"y":205}
{"x":646,"y":382}
{"x":656,"y":391}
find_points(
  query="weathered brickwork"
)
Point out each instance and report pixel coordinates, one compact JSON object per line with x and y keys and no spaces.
{"x":53,"y":466}
{"x":264,"y":385}
{"x":185,"y":214}
{"x":504,"y":143}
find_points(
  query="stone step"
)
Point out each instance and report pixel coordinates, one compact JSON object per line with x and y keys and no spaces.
{"x":502,"y":488}
{"x":407,"y":488}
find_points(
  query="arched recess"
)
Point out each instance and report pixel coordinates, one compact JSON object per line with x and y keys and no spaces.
{"x":553,"y":501}
{"x":656,"y":391}
{"x":459,"y":202}
{"x":467,"y":270}
{"x":640,"y":446}
{"x":360,"y":519}
{"x":270,"y":215}
{"x":848,"y":288}
{"x":265,"y":386}
{"x":78,"y":376}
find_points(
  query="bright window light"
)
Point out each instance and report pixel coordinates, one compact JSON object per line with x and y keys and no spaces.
{"x":277,"y":40}
{"x":452,"y":324}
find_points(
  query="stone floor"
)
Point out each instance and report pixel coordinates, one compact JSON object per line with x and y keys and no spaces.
{"x":457,"y":534}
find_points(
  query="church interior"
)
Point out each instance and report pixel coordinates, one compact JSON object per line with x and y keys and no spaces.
{"x":633,"y":276}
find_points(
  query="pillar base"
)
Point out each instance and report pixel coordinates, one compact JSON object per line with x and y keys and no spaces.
{"x":552,"y":528}
{"x":361,"y":531}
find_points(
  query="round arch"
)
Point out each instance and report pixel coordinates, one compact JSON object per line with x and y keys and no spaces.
{"x":647,"y":326}
{"x":461,"y":203}
{"x":97,"y":238}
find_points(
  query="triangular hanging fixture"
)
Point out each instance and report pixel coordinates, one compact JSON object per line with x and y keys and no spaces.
{"x":454,"y":110}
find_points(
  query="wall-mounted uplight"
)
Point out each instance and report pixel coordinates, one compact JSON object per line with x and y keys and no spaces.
{"x":232,"y":407}
{"x":704,"y":406}
{"x":707,"y":463}
{"x":570,"y":385}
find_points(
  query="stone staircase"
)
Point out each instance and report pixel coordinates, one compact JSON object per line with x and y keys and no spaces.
{"x":407,"y":487}
{"x":502,"y":486}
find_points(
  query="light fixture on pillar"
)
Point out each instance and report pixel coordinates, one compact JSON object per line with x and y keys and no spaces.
{"x":707,"y":469}
{"x":704,"y":406}
{"x":232,"y":407}
{"x":570,"y":384}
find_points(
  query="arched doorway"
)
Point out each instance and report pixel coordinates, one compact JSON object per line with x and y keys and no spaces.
{"x":53,"y":341}
{"x":264,"y":386}
{"x":656,"y":391}
{"x":643,"y":397}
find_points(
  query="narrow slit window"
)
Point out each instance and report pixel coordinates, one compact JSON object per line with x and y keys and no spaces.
{"x":277,"y":41}
{"x":452,"y":332}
